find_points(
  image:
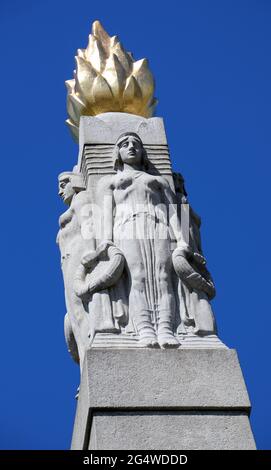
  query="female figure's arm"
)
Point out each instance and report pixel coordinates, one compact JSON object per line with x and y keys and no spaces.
{"x":105,"y":208}
{"x":179,"y":228}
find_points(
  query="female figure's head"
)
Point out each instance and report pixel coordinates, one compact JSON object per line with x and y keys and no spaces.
{"x":129,"y":150}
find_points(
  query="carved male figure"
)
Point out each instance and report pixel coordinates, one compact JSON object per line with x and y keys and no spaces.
{"x":72,"y":247}
{"x":196,"y":287}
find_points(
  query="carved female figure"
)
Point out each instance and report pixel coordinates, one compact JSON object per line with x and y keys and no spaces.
{"x":140,"y":229}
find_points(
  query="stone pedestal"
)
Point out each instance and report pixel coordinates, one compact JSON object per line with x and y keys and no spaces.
{"x":162,"y":399}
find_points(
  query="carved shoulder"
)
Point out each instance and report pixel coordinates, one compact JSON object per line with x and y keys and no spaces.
{"x":105,"y":185}
{"x":80,"y":200}
{"x":170,"y":196}
{"x":66,"y":217}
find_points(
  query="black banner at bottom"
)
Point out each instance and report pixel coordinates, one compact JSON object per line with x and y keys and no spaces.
{"x":118,"y":459}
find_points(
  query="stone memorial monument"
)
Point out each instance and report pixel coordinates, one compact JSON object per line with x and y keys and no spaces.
{"x":139,"y":321}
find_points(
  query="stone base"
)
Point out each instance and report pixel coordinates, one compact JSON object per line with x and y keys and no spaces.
{"x":162,"y":399}
{"x":130,"y":341}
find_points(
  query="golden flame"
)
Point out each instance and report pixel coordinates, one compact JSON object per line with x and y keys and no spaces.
{"x":108,"y":79}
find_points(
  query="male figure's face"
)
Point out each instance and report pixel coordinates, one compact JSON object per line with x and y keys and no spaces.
{"x":65,"y":190}
{"x":131,"y":151}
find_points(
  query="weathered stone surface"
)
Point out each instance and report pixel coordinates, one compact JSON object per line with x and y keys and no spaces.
{"x":170,"y":430}
{"x":154,"y":378}
{"x":106,"y":128}
{"x":201,"y":389}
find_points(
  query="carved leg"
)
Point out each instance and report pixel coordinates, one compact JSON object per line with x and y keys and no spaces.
{"x":166,"y":337}
{"x":70,"y":339}
{"x":146,"y":331}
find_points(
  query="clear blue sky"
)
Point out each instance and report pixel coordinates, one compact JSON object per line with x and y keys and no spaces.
{"x":211,"y":60}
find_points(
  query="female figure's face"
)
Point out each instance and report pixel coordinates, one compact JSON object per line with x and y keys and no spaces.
{"x":131,"y":151}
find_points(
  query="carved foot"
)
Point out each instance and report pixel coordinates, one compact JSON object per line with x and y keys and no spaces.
{"x":146,"y":331}
{"x":148,"y":342}
{"x":166,"y":337}
{"x":168,"y":341}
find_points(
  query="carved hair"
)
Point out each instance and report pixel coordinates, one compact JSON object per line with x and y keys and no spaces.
{"x":117,"y":161}
{"x":76,"y":180}
{"x":179,"y":183}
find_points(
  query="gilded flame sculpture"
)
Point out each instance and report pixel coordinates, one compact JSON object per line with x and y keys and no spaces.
{"x":107,"y":78}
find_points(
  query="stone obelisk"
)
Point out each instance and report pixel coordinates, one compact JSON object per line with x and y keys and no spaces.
{"x":139,"y":321}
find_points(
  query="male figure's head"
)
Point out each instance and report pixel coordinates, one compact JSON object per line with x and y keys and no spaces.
{"x":65,"y":189}
{"x":179,"y":183}
{"x":69,"y":183}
